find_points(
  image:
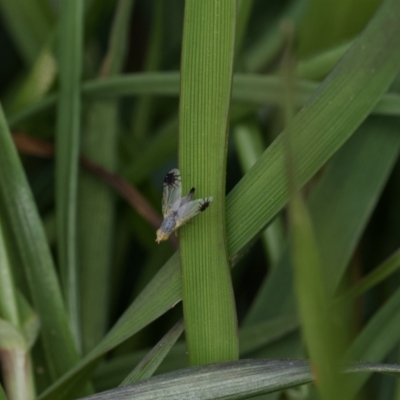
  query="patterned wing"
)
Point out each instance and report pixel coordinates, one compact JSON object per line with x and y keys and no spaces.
{"x":189,"y":210}
{"x":172,"y":192}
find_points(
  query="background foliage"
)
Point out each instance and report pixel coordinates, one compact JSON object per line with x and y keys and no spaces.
{"x":286,"y":112}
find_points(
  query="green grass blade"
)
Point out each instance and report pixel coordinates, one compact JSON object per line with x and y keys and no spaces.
{"x":249,"y":88}
{"x":8,"y":300}
{"x":318,"y":66}
{"x":141,"y":121}
{"x":18,"y":381}
{"x":353,"y":185}
{"x":230,"y":380}
{"x":313,"y":302}
{"x":20,"y":215}
{"x":270,"y":43}
{"x":152,"y":360}
{"x":371,"y":155}
{"x":159,"y":296}
{"x":67,"y":152}
{"x":327,"y":120}
{"x":377,"y":339}
{"x":251,"y":339}
{"x":249,"y":146}
{"x":29,"y":24}
{"x":35,"y":84}
{"x":244,"y":8}
{"x":96,"y":200}
{"x":96,"y":223}
{"x":381,"y":272}
{"x":312,"y":298}
{"x":116,"y":53}
{"x":208,"y":303}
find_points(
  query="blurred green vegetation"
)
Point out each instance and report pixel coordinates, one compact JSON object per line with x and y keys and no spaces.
{"x":306,"y":158}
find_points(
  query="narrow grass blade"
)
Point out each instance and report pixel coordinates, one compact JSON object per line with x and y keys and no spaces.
{"x":96,"y":201}
{"x":163,"y":292}
{"x":67,"y":152}
{"x":318,"y":66}
{"x":8,"y":297}
{"x":244,"y":8}
{"x":96,"y":223}
{"x":251,"y":339}
{"x":208,"y":302}
{"x":320,"y":336}
{"x":380,"y":273}
{"x":251,"y":88}
{"x":35,"y":84}
{"x":249,"y":146}
{"x":23,"y":224}
{"x":149,"y":364}
{"x":264,"y":49}
{"x":377,"y":339}
{"x":29,"y":24}
{"x":313,"y":303}
{"x":17,"y":379}
{"x":230,"y":380}
{"x":353,"y":185}
{"x":141,"y":121}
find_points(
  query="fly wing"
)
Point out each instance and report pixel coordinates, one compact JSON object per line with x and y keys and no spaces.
{"x":172,"y":192}
{"x":191,"y":209}
{"x":187,"y":198}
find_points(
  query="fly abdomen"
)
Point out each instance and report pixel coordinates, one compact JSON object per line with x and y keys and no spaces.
{"x":168,"y":225}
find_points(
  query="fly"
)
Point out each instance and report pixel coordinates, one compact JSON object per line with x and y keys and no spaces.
{"x":177,"y":210}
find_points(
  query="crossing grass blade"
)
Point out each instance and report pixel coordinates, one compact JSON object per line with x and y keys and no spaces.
{"x":149,"y":364}
{"x":353,"y":185}
{"x":251,"y":339}
{"x":249,"y":88}
{"x":231,"y":380}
